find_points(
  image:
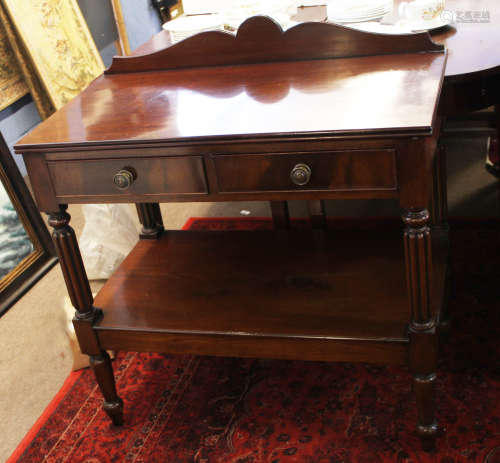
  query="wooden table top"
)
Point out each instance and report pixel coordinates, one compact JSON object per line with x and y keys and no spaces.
{"x":330,"y":96}
{"x":266,"y":94}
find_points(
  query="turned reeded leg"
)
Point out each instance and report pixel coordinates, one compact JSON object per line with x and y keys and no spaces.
{"x":113,"y":405}
{"x":422,"y":330}
{"x":317,"y":214}
{"x":279,"y":212}
{"x":86,"y":314}
{"x":151,"y":220}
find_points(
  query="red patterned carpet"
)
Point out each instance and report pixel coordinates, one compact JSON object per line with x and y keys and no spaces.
{"x":203,"y":409}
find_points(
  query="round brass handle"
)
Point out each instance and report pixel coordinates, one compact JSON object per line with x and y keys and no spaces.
{"x":123,"y":179}
{"x":301,"y":174}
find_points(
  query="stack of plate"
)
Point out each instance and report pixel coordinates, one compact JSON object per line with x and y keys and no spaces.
{"x":186,"y":26}
{"x":279,"y":10}
{"x":232,"y":21}
{"x":353,"y":11}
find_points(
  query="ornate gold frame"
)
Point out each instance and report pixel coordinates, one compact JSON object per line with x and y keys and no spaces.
{"x":12,"y":84}
{"x":51,"y":38}
{"x":42,"y":102}
{"x":34,"y":266}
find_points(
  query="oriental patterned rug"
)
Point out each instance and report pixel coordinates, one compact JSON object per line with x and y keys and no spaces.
{"x":206,"y":410}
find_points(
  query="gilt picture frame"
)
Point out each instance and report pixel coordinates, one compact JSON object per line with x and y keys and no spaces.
{"x":26,"y":248}
{"x":58,"y":43}
{"x":12,"y":84}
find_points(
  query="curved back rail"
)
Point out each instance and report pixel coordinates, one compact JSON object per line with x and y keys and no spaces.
{"x":260,"y":40}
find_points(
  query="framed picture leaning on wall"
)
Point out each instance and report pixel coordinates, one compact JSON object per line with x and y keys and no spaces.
{"x":12,"y":84}
{"x":54,"y":39}
{"x":26,"y":249}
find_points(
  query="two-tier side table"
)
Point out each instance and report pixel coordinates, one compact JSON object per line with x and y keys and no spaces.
{"x":317,"y":112}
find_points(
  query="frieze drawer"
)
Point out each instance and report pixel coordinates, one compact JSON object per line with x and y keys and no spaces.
{"x":333,"y":171}
{"x":158,"y":175}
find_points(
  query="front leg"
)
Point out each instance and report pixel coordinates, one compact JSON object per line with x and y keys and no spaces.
{"x":103,"y":371}
{"x":86,"y":314}
{"x":422,"y":330}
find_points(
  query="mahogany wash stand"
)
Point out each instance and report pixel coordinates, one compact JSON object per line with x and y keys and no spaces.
{"x":317,"y":112}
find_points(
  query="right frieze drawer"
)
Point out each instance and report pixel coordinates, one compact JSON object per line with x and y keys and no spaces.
{"x":352,"y":170}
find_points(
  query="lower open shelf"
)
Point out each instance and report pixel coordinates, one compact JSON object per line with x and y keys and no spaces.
{"x":295,"y":294}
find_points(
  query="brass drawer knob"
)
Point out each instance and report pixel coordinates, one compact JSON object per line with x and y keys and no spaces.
{"x":301,"y":174}
{"x":123,"y":179}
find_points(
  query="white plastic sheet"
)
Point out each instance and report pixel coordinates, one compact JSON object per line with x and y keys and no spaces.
{"x":108,"y":236}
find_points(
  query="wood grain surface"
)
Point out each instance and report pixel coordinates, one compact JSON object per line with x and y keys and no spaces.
{"x":341,"y":170}
{"x":315,"y":286}
{"x":305,"y":41}
{"x":345,"y":96}
{"x":343,"y":93}
{"x":277,"y":117}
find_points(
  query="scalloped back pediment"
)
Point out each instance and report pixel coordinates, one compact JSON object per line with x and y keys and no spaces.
{"x":260,"y":40}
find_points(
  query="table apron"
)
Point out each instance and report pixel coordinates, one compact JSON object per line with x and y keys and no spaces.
{"x":374,"y":170}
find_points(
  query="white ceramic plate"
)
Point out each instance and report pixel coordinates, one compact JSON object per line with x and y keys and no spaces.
{"x":337,"y":12}
{"x":429,"y":25}
{"x":193,"y":23}
{"x":356,"y":19}
{"x":233,"y":21}
{"x":186,"y":26}
{"x":349,"y":5}
{"x":375,"y":26}
{"x":359,"y":10}
{"x":401,"y":27}
{"x":345,"y":13}
{"x":354,"y":16}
